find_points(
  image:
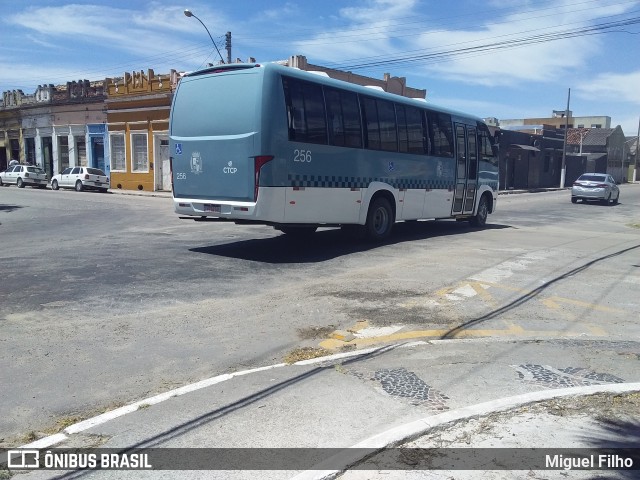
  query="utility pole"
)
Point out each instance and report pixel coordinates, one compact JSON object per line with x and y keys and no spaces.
{"x":228,"y":46}
{"x":635,"y":170}
{"x":563,"y":170}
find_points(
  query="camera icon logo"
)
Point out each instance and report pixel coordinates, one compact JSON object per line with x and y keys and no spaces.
{"x":23,"y":459}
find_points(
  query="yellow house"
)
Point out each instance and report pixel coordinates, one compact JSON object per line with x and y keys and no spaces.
{"x":138,"y":107}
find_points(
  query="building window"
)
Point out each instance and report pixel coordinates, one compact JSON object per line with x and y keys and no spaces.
{"x":118,"y":153}
{"x":63,"y":151}
{"x":140,"y":156}
{"x":596,"y":125}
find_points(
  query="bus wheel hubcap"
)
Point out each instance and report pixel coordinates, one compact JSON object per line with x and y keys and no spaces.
{"x":380,"y":220}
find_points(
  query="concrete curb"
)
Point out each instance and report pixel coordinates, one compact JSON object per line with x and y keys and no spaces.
{"x":410,"y":431}
{"x":83,"y":425}
{"x":141,"y":193}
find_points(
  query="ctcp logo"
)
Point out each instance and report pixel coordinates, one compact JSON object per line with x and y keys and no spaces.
{"x":230,"y":168}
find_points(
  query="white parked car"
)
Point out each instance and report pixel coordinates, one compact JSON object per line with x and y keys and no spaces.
{"x":595,"y":186}
{"x":23,"y":175}
{"x":81,"y":178}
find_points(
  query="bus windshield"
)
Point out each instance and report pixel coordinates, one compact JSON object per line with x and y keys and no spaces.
{"x":209,"y":95}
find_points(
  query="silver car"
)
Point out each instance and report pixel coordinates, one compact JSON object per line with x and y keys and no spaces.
{"x":23,"y":175}
{"x":81,"y":178}
{"x":595,"y":186}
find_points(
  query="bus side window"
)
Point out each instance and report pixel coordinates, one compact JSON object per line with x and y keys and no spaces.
{"x":335,"y":118}
{"x":415,"y":131}
{"x":351,"y":119}
{"x":426,"y":138}
{"x":305,"y":111}
{"x":440,"y":133}
{"x":370,"y":120}
{"x":411,"y":137}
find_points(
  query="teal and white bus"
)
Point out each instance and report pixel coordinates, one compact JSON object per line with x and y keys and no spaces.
{"x":279,"y":146}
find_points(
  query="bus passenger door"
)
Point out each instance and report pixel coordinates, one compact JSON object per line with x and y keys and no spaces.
{"x":472,"y":170}
{"x":466,"y":170}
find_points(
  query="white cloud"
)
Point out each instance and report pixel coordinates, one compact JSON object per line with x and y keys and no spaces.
{"x":628,"y":123}
{"x":539,"y":60}
{"x":378,"y":11}
{"x":367,"y":33}
{"x":89,"y":21}
{"x":142,"y":32}
{"x":616,"y":87}
{"x":383,"y":29}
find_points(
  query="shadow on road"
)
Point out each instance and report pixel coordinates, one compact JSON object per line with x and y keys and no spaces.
{"x":618,"y":438}
{"x":329,"y":244}
{"x":9,"y":208}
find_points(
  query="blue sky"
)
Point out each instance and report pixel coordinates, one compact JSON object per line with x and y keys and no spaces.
{"x":504,"y":59}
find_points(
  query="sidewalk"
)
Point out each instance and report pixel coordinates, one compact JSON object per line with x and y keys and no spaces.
{"x":443,"y":393}
{"x":142,"y":193}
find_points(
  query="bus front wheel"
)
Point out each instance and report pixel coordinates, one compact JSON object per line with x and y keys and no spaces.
{"x":379,"y":220}
{"x":480,"y":218}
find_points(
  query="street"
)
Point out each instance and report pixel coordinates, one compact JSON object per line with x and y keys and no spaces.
{"x":109,"y":298}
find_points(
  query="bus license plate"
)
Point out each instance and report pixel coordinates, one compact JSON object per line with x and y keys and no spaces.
{"x":211,"y":208}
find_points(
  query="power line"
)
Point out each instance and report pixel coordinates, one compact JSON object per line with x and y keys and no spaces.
{"x":179,"y":56}
{"x":410,"y":57}
{"x":331,"y":37}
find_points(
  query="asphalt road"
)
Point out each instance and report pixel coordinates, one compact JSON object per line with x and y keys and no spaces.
{"x":106,"y":299}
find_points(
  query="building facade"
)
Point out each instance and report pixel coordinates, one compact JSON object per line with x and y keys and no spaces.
{"x":137,"y":152}
{"x":49,"y":128}
{"x":397,"y":85}
{"x":604,"y":150}
{"x":558,"y":119}
{"x":530,"y":160}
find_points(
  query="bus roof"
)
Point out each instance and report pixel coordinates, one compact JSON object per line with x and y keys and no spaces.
{"x":269,"y":68}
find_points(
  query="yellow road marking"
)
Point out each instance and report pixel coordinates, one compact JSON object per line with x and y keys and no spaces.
{"x":596,"y":330}
{"x":332,"y":344}
{"x":482,"y":292}
{"x":553,"y":302}
{"x":591,"y":306}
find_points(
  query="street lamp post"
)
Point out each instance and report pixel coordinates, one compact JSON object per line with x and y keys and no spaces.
{"x":189,"y":13}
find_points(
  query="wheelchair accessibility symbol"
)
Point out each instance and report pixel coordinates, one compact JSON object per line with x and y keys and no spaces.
{"x":178,"y":149}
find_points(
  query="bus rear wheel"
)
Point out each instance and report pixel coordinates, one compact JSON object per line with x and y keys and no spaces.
{"x":379,"y":220}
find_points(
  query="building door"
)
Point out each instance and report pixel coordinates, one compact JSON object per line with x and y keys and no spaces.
{"x":47,"y":156}
{"x":97,"y":153}
{"x":3,"y":158}
{"x":162,"y":167}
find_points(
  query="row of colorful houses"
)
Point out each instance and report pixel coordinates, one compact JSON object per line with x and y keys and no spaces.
{"x":120,"y":125}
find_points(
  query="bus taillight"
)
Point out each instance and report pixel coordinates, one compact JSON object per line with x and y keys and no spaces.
{"x":260,"y":160}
